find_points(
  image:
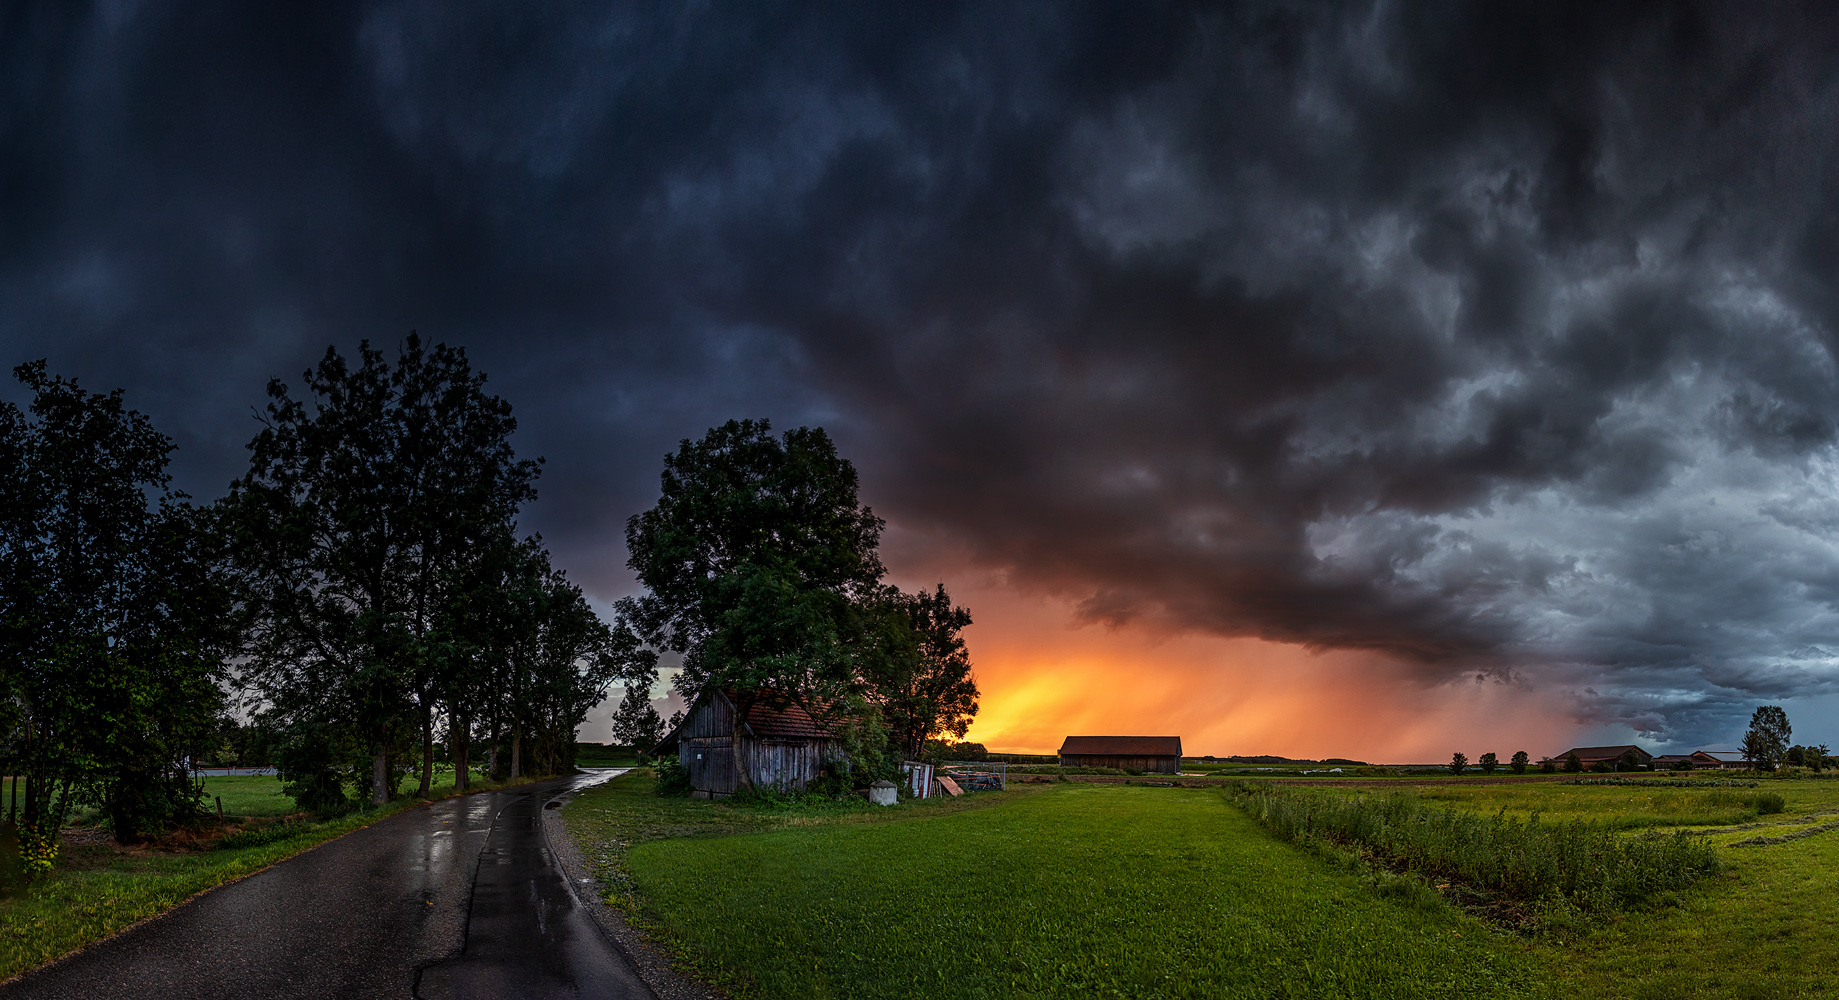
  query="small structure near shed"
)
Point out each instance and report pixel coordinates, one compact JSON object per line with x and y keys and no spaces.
{"x":1149,"y":754}
{"x":882,"y":793}
{"x":782,"y":747}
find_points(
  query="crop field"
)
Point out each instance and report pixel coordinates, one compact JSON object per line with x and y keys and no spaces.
{"x":1108,"y":890}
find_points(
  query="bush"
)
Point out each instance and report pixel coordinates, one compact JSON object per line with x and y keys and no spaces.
{"x":1528,"y":861}
{"x":1769,"y":803}
{"x":671,"y":777}
{"x":1547,"y":767}
{"x":316,"y":764}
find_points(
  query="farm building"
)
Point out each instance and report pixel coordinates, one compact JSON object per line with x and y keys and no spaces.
{"x":783,"y":746}
{"x":1158,"y":754}
{"x":1622,"y":758}
{"x":1669,"y":760}
{"x":1724,"y":760}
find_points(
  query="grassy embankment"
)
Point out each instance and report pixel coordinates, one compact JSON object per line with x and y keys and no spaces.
{"x":1110,"y":890}
{"x":1057,"y":891}
{"x":98,"y":888}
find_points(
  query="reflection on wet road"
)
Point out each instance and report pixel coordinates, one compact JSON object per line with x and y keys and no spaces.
{"x":380,"y":912}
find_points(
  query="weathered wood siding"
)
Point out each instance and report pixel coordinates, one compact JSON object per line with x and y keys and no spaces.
{"x":1148,"y":765}
{"x":710,"y":760}
{"x":706,"y":745}
{"x":788,"y":765}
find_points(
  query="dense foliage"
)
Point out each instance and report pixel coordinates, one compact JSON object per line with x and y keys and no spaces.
{"x":760,"y":566}
{"x":386,"y":588}
{"x":114,"y":617}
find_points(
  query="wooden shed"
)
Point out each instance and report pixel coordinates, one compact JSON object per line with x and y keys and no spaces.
{"x":1150,"y":754}
{"x":784,"y":747}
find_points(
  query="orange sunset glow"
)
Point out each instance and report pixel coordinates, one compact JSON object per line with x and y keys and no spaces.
{"x":1044,"y":678}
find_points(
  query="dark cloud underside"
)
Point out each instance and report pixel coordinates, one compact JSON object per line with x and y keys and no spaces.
{"x":1496,"y":338}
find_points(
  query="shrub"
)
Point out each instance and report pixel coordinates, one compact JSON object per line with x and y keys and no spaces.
{"x":1769,"y":803}
{"x":1520,"y":759}
{"x":1573,"y":763}
{"x":1547,"y":767}
{"x":672,"y":777}
{"x":1527,"y":861}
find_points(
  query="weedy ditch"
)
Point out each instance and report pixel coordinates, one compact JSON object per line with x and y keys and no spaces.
{"x":1517,"y":871}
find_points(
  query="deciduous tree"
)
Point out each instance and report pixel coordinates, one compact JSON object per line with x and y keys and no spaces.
{"x":1457,"y":762}
{"x":757,"y":562}
{"x":1519,"y":761}
{"x":1766,"y":742}
{"x":114,"y":618}
{"x":356,"y":514}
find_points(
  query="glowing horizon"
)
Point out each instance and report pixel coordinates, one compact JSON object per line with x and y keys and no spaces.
{"x":1044,"y":678}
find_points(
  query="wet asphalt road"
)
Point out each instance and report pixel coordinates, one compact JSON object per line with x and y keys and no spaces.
{"x":459,"y":900}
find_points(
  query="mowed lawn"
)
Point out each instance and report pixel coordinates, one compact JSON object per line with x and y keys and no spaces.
{"x":1068,"y":890}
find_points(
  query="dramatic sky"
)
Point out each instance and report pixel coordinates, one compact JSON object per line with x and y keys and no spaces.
{"x":1372,"y":380}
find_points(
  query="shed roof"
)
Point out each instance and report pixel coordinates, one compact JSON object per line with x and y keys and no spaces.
{"x":1725,"y":756}
{"x":1123,"y":746}
{"x":790,"y":722}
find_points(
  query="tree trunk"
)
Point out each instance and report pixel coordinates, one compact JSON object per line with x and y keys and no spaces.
{"x":491,"y":760}
{"x":743,"y":774}
{"x":458,"y":731}
{"x":517,"y":750}
{"x":380,"y":779}
{"x":427,"y":749}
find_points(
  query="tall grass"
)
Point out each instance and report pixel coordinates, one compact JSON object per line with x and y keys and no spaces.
{"x":1527,"y":861}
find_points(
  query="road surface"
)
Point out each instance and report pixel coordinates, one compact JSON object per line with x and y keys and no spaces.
{"x":459,"y":900}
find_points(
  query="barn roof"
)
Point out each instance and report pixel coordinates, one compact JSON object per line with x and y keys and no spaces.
{"x":1123,"y":746}
{"x":1588,"y":754}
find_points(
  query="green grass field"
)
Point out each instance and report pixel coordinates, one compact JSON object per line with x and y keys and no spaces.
{"x":1106,"y":890}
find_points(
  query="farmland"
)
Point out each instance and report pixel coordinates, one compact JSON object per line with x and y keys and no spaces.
{"x":1070,"y":889}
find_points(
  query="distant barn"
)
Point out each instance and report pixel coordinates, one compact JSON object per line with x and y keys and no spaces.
{"x":1150,"y":754}
{"x":784,"y":746}
{"x":1626,"y":757}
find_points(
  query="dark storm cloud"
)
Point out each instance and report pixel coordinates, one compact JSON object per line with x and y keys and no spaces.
{"x":1495,"y":338}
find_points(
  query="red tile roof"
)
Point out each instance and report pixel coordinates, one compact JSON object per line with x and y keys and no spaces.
{"x":1123,"y":746}
{"x":791,"y":722}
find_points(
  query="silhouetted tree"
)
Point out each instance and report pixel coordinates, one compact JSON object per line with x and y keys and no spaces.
{"x":1489,"y":762}
{"x":636,"y":722}
{"x":1766,"y":742}
{"x":757,"y":562}
{"x":1573,"y":763}
{"x":114,"y":616}
{"x":924,"y":688}
{"x":1519,"y":761}
{"x":357,"y":514}
{"x":1457,"y":762}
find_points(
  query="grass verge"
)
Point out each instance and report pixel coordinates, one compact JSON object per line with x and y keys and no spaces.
{"x":1052,"y":891}
{"x":99,"y":889}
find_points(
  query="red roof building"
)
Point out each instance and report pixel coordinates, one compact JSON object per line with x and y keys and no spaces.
{"x":1149,"y":754}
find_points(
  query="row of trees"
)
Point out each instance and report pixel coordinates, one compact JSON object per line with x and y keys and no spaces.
{"x":761,"y":567}
{"x":363,"y":593}
{"x":1489,"y":762}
